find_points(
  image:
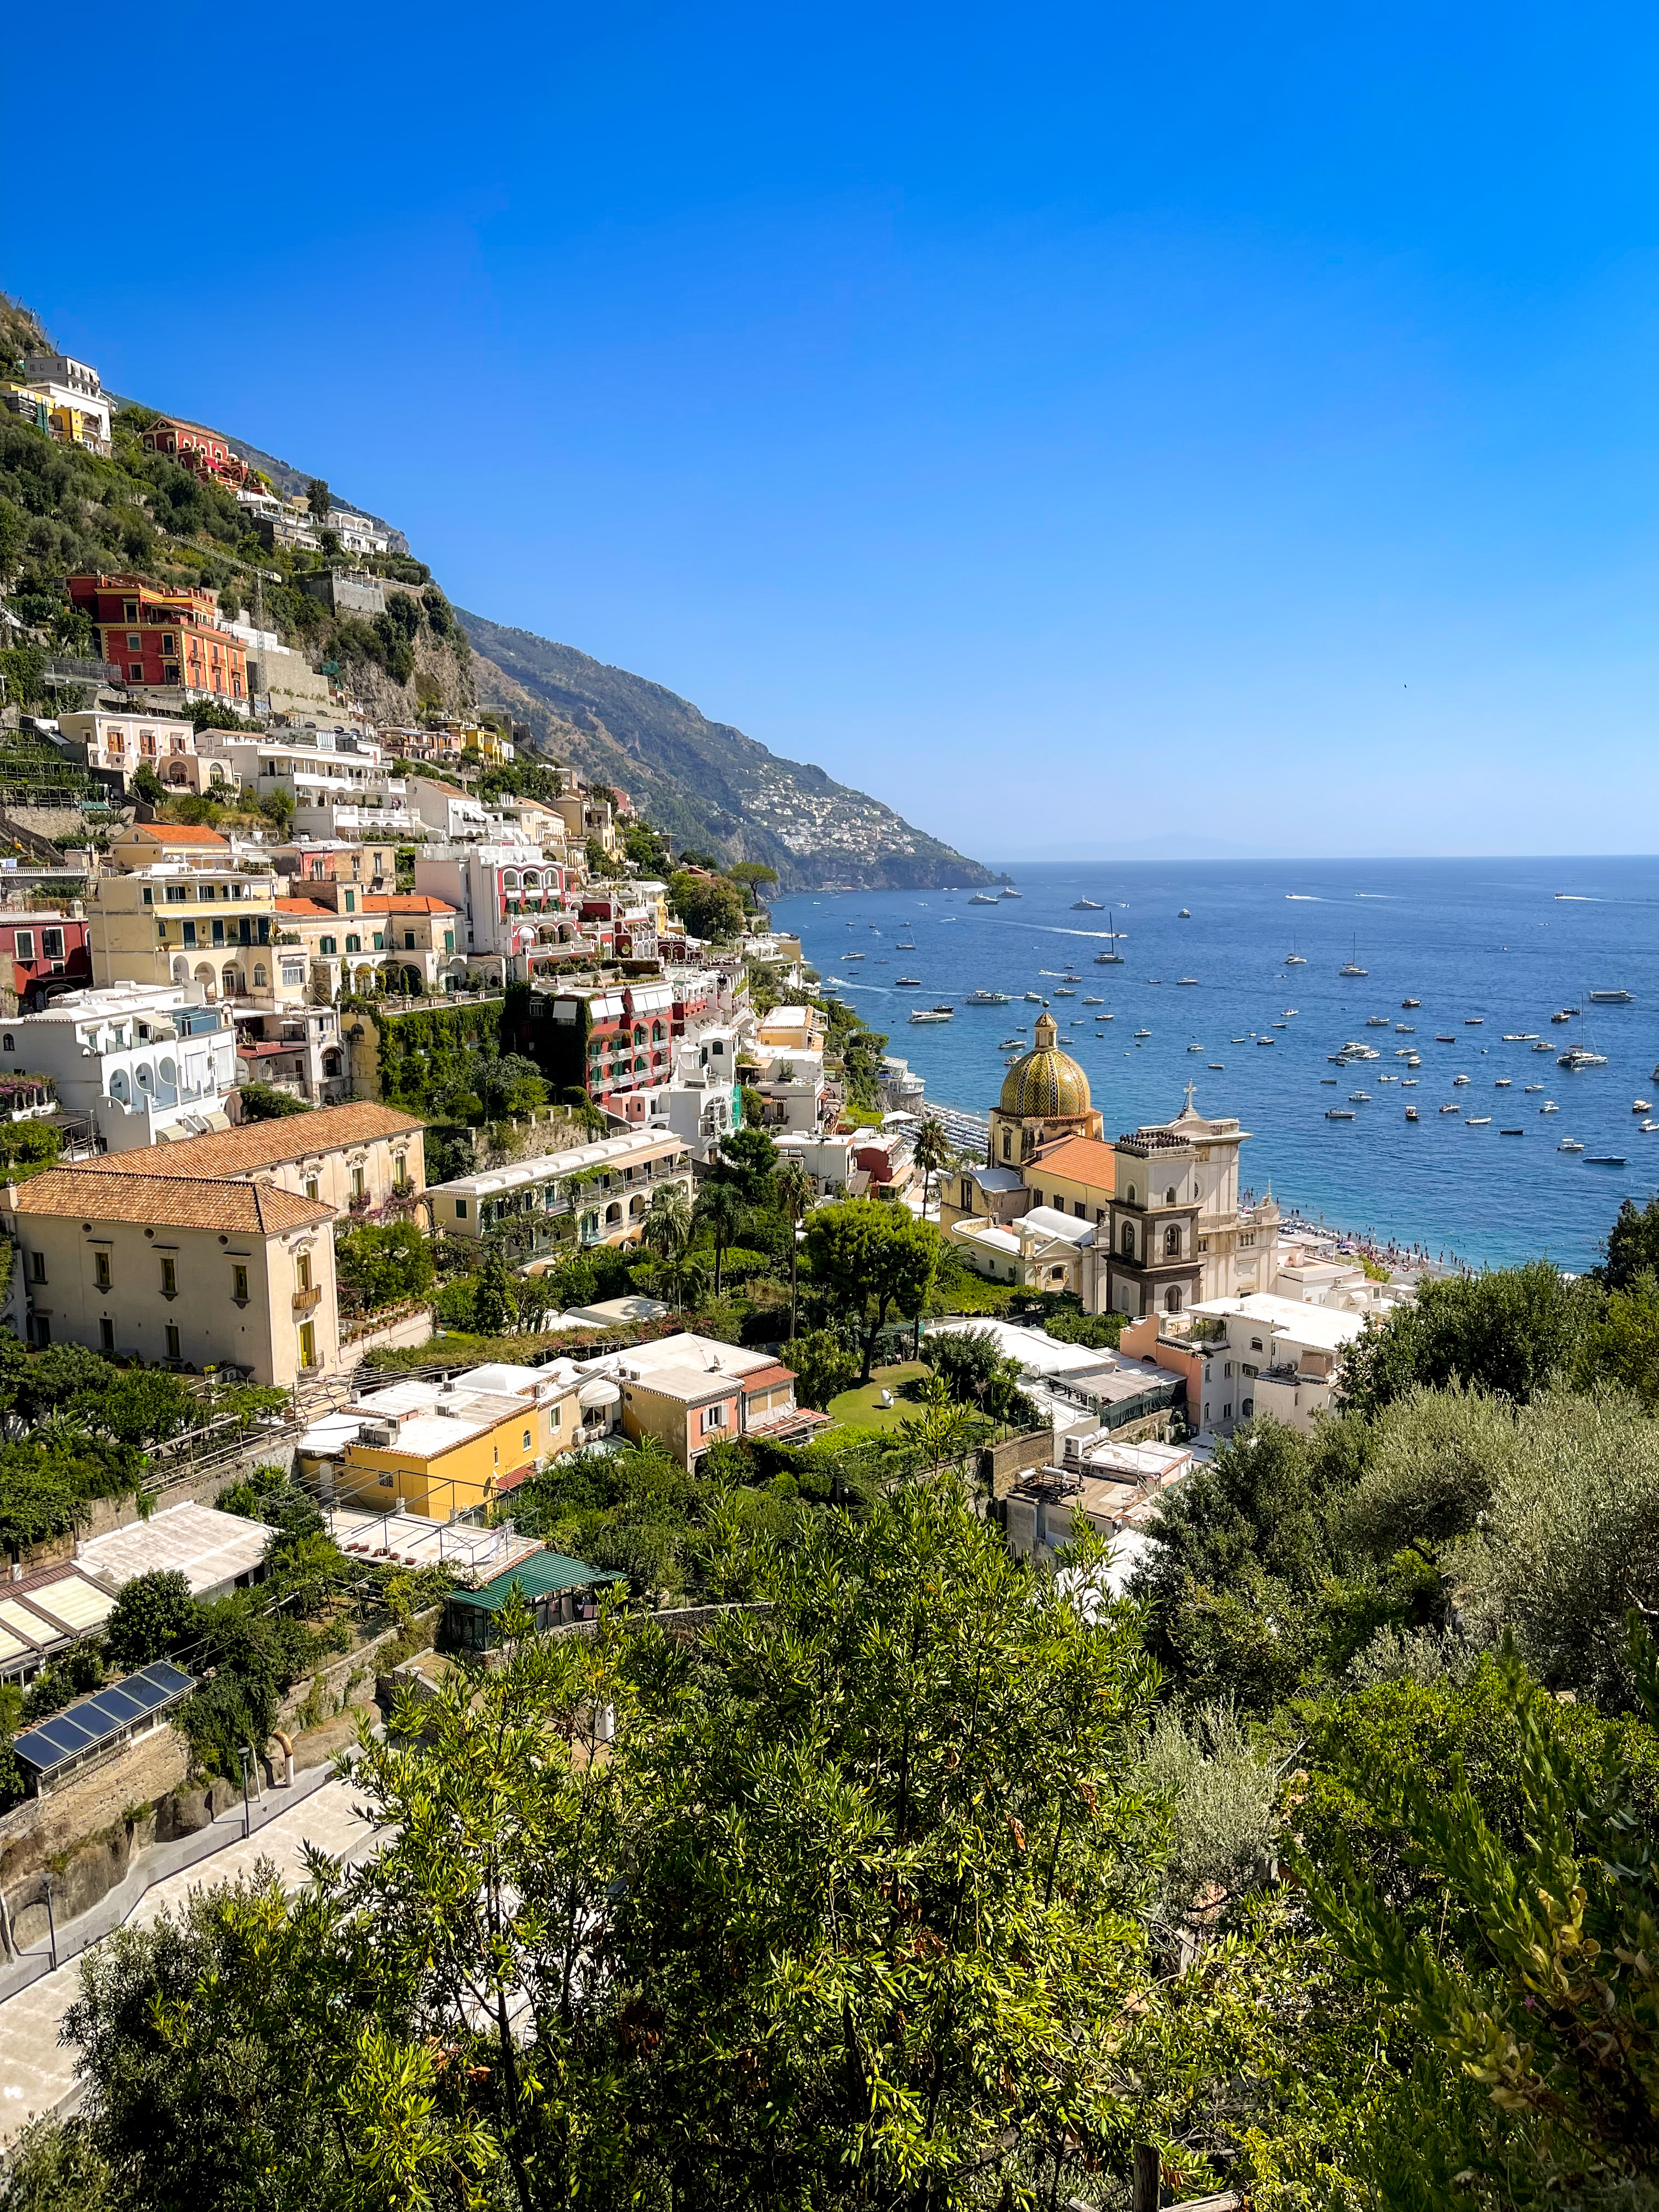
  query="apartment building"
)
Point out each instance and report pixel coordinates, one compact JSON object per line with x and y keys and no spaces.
{"x":209,"y":924}
{"x":167,"y":638}
{"x":177,"y":1270}
{"x":688,"y":1393}
{"x":41,"y":956}
{"x":354,"y":1158}
{"x":601,"y":1193}
{"x":206,"y":452}
{"x":115,"y":746}
{"x":147,"y":1063}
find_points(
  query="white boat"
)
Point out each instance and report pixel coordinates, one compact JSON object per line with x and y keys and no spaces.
{"x":1183,"y":916}
{"x":986,"y":998}
{"x":1407,"y":1004}
{"x":1459,"y":1082}
{"x":1012,"y":1044}
{"x":1143,"y":1033}
{"x":1641,"y":1106}
{"x":1267,"y":1040}
{"x":1108,"y":959}
{"x":1648,"y":1128}
{"x":1562,"y":1017}
{"x":1610,"y":997}
{"x":1376,"y":1021}
{"x":1008,"y":891}
{"x":1339,"y":1114}
{"x":1570,"y":1145}
{"x":981,"y":898}
{"x":1092,"y":1001}
{"x":906,"y":982}
{"x":1035,"y":999}
{"x":1514,"y":1036}
{"x":1451,"y":1110}
{"x":1502,"y":1084}
{"x":1479,"y":1121}
{"x":1387,"y":1079}
{"x":1549,"y":1107}
{"x":1218,"y":1066}
{"x":1359,"y":1098}
{"x":1087,"y":906}
{"x":932,"y":1013}
{"x":1293,"y":958}
{"x":1578,"y":1057}
{"x":1475,"y":1021}
{"x":1543,"y":1048}
{"x":1061,"y":992}
{"x":1186,"y":982}
{"x":852,"y":955}
{"x":1408,"y":1083}
{"x":1352,"y":967}
{"x":1412,"y":1114}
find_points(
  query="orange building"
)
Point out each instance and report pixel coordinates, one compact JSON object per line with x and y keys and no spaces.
{"x":193,"y":448}
{"x":167,"y":637}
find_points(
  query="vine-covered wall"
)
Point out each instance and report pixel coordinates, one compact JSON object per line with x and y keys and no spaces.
{"x":405,"y":1059}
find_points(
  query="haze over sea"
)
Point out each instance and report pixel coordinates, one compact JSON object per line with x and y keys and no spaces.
{"x":1510,"y":941}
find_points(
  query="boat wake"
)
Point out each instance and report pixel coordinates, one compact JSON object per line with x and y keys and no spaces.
{"x":1305,"y":898}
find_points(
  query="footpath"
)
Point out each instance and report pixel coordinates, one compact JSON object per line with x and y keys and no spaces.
{"x":37,"y":2073}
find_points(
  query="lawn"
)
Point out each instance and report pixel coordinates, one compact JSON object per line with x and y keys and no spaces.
{"x":863,"y":1409}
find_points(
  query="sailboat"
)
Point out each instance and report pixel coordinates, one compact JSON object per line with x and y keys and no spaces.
{"x":1111,"y":957}
{"x":1352,"y":967}
{"x":1580,"y":1054}
{"x":1293,"y":958}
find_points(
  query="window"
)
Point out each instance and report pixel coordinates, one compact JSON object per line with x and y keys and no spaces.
{"x":326,"y":944}
{"x":449,"y":940}
{"x":308,"y":1345}
{"x":1172,"y":1298}
{"x":1036,"y":1198}
{"x":525,"y":1446}
{"x":107,"y":1334}
{"x":1077,"y":1208}
{"x":135,"y":642}
{"x":173,"y":1351}
{"x":26,"y":945}
{"x":169,"y":1279}
{"x":409,"y":941}
{"x":37,"y":1266}
{"x":1227,"y":1367}
{"x":311,"y":1189}
{"x":1172,"y":1243}
{"x":713,"y":1417}
{"x":354,"y":943}
{"x":1004,"y":1144}
{"x":460,"y":1209}
{"x":1255,"y":1344}
{"x":356,"y":1182}
{"x":555,"y":1418}
{"x":1227,"y":1412}
{"x":239,"y":1284}
{"x":379,"y":940}
{"x":1128,"y":1240}
{"x":351,"y":902}
{"x":1246,"y":1407}
{"x":51,"y":944}
{"x":101,"y":1269}
{"x":9,"y":1042}
{"x":302,"y":1275}
{"x":176,"y":894}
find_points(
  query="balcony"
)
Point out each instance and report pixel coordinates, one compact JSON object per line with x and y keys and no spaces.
{"x":306,"y":1301}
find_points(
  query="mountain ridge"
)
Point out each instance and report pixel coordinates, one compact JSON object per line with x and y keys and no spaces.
{"x":707,"y":784}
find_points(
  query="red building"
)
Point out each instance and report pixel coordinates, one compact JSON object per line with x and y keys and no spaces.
{"x":44,"y":954}
{"x":193,"y":447}
{"x":164,"y":637}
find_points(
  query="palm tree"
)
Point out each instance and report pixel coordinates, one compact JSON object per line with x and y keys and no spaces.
{"x":668,"y":1225}
{"x":932,"y":1150}
{"x":684,"y":1276}
{"x":720,"y":1205}
{"x":793,"y":1188}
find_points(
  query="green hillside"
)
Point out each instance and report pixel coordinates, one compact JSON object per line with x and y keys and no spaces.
{"x":704,"y":782}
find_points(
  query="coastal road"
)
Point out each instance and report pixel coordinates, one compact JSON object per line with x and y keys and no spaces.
{"x":37,"y":2073}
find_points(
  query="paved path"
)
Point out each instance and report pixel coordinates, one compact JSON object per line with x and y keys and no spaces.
{"x":37,"y":2075}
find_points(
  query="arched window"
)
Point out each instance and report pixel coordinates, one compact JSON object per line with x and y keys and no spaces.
{"x":1172,"y":1241}
{"x":258,"y":976}
{"x":143,"y":1077}
{"x":1130,"y":1193}
{"x":656,"y":1033}
{"x":532,"y":882}
{"x":510,"y":879}
{"x":169,"y":1074}
{"x":1170,"y":1196}
{"x":612,"y":1214}
{"x":1128,"y":1240}
{"x":118,"y":1086}
{"x":1172,"y":1298}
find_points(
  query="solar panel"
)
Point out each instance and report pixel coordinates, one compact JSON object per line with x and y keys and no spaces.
{"x":99,"y":1719}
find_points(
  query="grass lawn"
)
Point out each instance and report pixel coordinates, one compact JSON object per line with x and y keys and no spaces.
{"x":862,"y":1408}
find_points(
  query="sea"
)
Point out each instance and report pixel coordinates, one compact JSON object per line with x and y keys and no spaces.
{"x":1493,"y":949}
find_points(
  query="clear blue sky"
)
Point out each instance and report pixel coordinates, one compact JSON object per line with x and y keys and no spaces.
{"x":1074,"y":425}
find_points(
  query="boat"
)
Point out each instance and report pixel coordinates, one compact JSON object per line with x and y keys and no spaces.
{"x":986,"y":998}
{"x":1376,"y":1021}
{"x":1413,"y":1060}
{"x":1475,"y":1021}
{"x":1570,"y":1145}
{"x":1405,"y":1028}
{"x":1514,"y":1036}
{"x":1647,"y":1128}
{"x":1549,"y":1106}
{"x":1012,"y":1044}
{"x":1183,"y":916}
{"x":1535,"y":1086}
{"x":1008,"y":891}
{"x":1092,"y":1001}
{"x":1329,"y":1082}
{"x":1217,"y":1066}
{"x":1451,"y":1110}
{"x":852,"y":955}
{"x":1511,"y":1132}
{"x":1604,"y":1159}
{"x":1035,"y":999}
{"x":1408,"y":1083}
{"x":932,"y":1013}
{"x":1071,"y":976}
{"x":1543,"y":1048}
{"x":1267,"y":1040}
{"x":1359,"y":1098}
{"x":1143,"y":1033}
{"x":1610,"y":997}
{"x":1479,"y":1121}
{"x":1412,"y":1114}
{"x":1641,"y":1106}
{"x":1352,"y":967}
{"x":1087,"y":906}
{"x":1502,"y":1084}
{"x":1578,"y":1058}
{"x":1108,"y":959}
{"x":1444,"y":1037}
{"x":906,"y":982}
{"x":1562,"y":1017}
{"x":1294,"y":960}
{"x":1186,"y":982}
{"x":1407,"y":1004}
{"x":1061,"y":992}
{"x":1291,"y":1013}
{"x":1339,"y":1114}
{"x":1459,"y":1082}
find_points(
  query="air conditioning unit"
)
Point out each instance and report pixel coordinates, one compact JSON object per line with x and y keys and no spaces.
{"x":377,"y":1436}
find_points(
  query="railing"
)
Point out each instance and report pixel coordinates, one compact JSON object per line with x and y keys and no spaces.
{"x":305,"y":1300}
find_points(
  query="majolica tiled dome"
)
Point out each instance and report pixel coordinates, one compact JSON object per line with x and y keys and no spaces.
{"x":1047,"y":1082}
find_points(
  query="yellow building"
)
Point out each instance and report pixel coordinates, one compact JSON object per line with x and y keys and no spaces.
{"x":207,"y":923}
{"x":436,"y":1449}
{"x":352,"y":1158}
{"x":1045,"y":1096}
{"x":1075,"y":1176}
{"x":178,"y":1270}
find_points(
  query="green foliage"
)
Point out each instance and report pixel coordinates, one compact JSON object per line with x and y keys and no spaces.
{"x":53,"y":2166}
{"x":974,"y":1372}
{"x":494,"y":1304}
{"x":26,"y":1148}
{"x":154,"y":1615}
{"x":1538,"y":2081}
{"x":1508,"y":1333}
{"x":1633,"y":1248}
{"x":824,"y":1366}
{"x":271,"y":1494}
{"x":261,"y":1102}
{"x":748,"y":1159}
{"x":432,"y":1054}
{"x":871,"y":1261}
{"x":709,"y":907}
{"x":385,"y":1264}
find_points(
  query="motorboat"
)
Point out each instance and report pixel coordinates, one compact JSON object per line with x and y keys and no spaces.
{"x":1502,"y":1084}
{"x":1479,"y":1121}
{"x":1408,"y":1083}
{"x":1329,"y":1082}
{"x":1088,"y":906}
{"x":1444,"y":1037}
{"x":1549,"y":1106}
{"x":1267,"y":1040}
{"x":1183,"y":916}
{"x":906,"y":982}
{"x":1413,"y":1060}
{"x":1514,"y":1036}
{"x":1359,"y":1098}
{"x":981,"y":898}
{"x":1475,"y":1021}
{"x":1542,"y":1046}
{"x":1459,"y":1082}
{"x":1093,"y":1002}
{"x":1641,"y":1106}
{"x":1012,"y":1044}
{"x":1062,"y":992}
{"x":1647,"y":1128}
{"x":1035,"y":999}
{"x":1562,"y":1015}
{"x":1570,"y":1145}
{"x":1387,"y":1079}
{"x":1535,"y":1086}
{"x":1511,"y":1132}
{"x":1291,"y":1013}
{"x":932,"y":1013}
{"x":1294,"y":960}
{"x":986,"y":998}
{"x":1405,"y":1028}
{"x":1339,"y":1114}
{"x":1071,"y":976}
{"x":1451,"y":1110}
{"x":1610,"y":997}
{"x":1186,"y":982}
{"x":1217,"y":1066}
{"x":852,"y":955}
{"x":1195,"y":1047}
{"x":1142,"y":1033}
{"x":1376,"y":1021}
{"x":1407,"y":1004}
{"x":1008,"y":891}
{"x":1604,"y":1159}
{"x":1412,"y":1114}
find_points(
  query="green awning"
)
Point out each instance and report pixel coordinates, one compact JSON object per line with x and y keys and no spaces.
{"x":543,"y":1574}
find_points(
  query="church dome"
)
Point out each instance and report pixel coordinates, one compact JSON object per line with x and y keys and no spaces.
{"x":1046,"y":1083}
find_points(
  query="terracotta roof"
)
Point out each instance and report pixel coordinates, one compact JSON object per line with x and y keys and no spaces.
{"x":257,"y":1145}
{"x":171,"y":1200}
{"x":305,"y":906}
{"x":405,"y":902}
{"x":1082,"y":1159}
{"x":180,"y":832}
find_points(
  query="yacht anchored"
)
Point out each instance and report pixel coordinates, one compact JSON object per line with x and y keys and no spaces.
{"x":1408,"y":1003}
{"x":1570,"y":1145}
{"x":1087,"y":906}
{"x":932,"y":1013}
{"x":1610,"y":997}
{"x":1339,"y":1114}
{"x":981,"y":898}
{"x":1352,"y":967}
{"x":986,"y":998}
{"x":906,"y":982}
{"x":1008,"y":891}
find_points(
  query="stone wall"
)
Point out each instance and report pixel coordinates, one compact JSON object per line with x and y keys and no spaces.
{"x":85,"y":1833}
{"x":1002,"y":1465}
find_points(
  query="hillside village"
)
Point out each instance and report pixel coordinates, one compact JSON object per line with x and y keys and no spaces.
{"x":474,"y":1309}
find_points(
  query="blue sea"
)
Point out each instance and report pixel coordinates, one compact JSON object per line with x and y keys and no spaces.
{"x":1507,"y":941}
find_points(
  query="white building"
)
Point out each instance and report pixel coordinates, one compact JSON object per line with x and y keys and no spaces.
{"x":148,"y":1061}
{"x":504,"y":892}
{"x":1268,"y":1355}
{"x":608,"y":1187}
{"x":69,"y":399}
{"x":357,"y":533}
{"x":1177,"y":1233}
{"x":114,"y":747}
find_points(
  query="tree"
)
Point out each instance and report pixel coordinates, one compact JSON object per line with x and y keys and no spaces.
{"x":747,"y":1157}
{"x":155,"y":1615}
{"x":1509,"y":1333}
{"x":386,"y":1264}
{"x":823,"y":1365}
{"x":707,"y":905}
{"x":1621,"y":1346}
{"x":721,"y":1211}
{"x":1539,"y":2079}
{"x":872,"y":1261}
{"x":931,"y":1150}
{"x":494,"y":1305}
{"x":319,"y":500}
{"x":148,"y":787}
{"x":749,"y":875}
{"x":1632,"y":1246}
{"x":792,"y":1189}
{"x":261,"y":1102}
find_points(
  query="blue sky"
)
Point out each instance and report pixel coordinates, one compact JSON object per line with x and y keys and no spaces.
{"x":1080,"y":427}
